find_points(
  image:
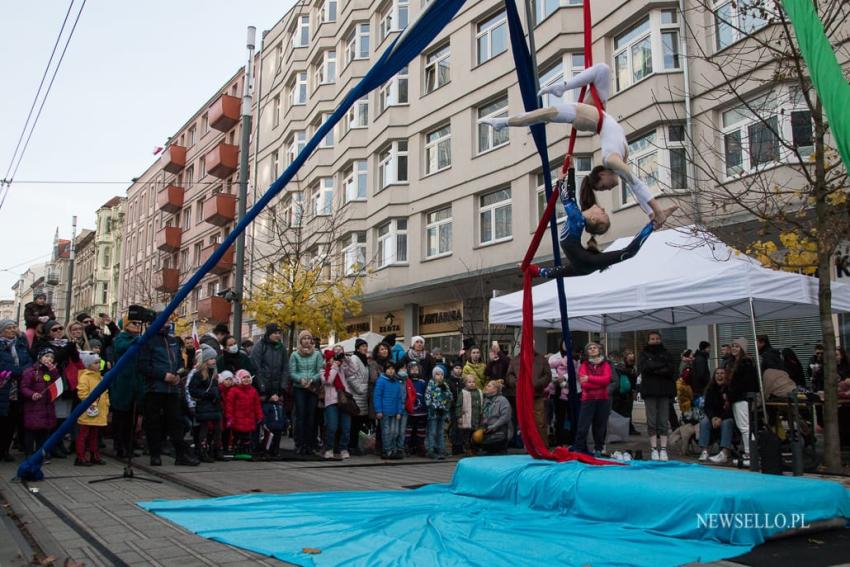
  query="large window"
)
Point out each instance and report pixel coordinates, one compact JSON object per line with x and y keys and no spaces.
{"x":354,"y":253}
{"x":753,"y":134}
{"x":276,"y":111}
{"x":544,"y":8}
{"x":328,"y":11}
{"x":296,"y":143}
{"x":649,"y":46}
{"x":658,"y":159}
{"x":393,"y":17}
{"x":301,"y":33}
{"x":357,"y":43}
{"x":358,"y":115}
{"x":489,"y":138}
{"x":437,"y":68}
{"x":392,"y":166}
{"x":294,"y":210}
{"x":392,"y":243}
{"x":438,"y":232}
{"x":438,"y":150}
{"x":494,"y":216}
{"x":491,"y":37}
{"x":298,"y":89}
{"x":275,"y":164}
{"x":582,"y":165}
{"x":737,"y":19}
{"x":323,"y":197}
{"x":394,"y":91}
{"x":326,"y":68}
{"x":354,"y":181}
{"x":554,"y":73}
{"x":328,"y":140}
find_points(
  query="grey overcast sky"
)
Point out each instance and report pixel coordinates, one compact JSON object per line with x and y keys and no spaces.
{"x":133,"y":73}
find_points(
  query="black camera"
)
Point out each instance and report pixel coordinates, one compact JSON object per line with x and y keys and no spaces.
{"x":141,"y":314}
{"x":339,"y":356}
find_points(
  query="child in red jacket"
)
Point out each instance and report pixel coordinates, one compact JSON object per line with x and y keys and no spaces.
{"x":243,"y":413}
{"x":595,"y":375}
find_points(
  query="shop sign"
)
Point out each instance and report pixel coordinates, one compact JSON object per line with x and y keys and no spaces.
{"x":357,"y":326}
{"x":441,"y":318}
{"x":389,"y":322}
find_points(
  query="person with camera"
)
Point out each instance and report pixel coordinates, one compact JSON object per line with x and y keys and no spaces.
{"x":161,"y":366}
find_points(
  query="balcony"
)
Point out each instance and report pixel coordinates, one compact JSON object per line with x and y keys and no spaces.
{"x":168,"y":239}
{"x":223,"y":160}
{"x":220,"y":209}
{"x":224,"y":113}
{"x":214,"y":309}
{"x":173,"y":158}
{"x":166,"y":280}
{"x":224,"y":265}
{"x":170,"y":199}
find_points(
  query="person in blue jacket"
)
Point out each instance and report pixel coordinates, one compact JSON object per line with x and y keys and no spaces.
{"x":388,"y":400}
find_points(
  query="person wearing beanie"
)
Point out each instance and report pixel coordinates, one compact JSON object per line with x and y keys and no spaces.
{"x":204,"y":396}
{"x":36,"y":313}
{"x":357,"y":374}
{"x":417,"y":412}
{"x":475,"y":365}
{"x":455,"y":380}
{"x":271,"y":364}
{"x":233,"y":358}
{"x":418,"y":353}
{"x":742,"y":379}
{"x":14,"y":359}
{"x":595,"y":374}
{"x":94,"y":419}
{"x":438,"y":400}
{"x":244,"y":414}
{"x":126,"y":391}
{"x":657,"y":388}
{"x":306,"y":367}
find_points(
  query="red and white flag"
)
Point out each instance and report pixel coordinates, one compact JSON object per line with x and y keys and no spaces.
{"x":196,"y":342}
{"x":56,"y":389}
{"x":157,"y":150}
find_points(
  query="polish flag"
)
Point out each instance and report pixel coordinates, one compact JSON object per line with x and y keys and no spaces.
{"x":157,"y":150}
{"x":196,"y":342}
{"x":55,"y":389}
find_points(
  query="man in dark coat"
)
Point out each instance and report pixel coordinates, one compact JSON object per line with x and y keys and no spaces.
{"x":127,"y":390}
{"x":702,"y":375}
{"x":541,"y":375}
{"x":658,"y":371}
{"x":36,"y":313}
{"x":215,"y":338}
{"x":14,"y":359}
{"x":272,"y":364}
{"x":771,"y":358}
{"x":160,"y":364}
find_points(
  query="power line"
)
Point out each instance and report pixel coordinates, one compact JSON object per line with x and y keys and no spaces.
{"x":25,"y":262}
{"x":9,"y":179}
{"x":126,"y":182}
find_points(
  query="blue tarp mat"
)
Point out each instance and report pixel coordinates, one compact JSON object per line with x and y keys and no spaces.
{"x":518,"y":511}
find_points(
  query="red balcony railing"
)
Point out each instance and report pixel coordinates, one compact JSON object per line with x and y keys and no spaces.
{"x":168,"y":239}
{"x":224,"y":113}
{"x":222,"y":160}
{"x":224,"y":265}
{"x":173,"y":158}
{"x":170,"y":199}
{"x":214,"y":309}
{"x":220,"y":209}
{"x":166,"y":280}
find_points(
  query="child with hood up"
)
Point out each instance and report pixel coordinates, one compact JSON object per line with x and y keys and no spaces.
{"x":438,"y":399}
{"x":244,"y":413}
{"x":94,"y":419}
{"x":417,"y":418}
{"x":388,"y":401}
{"x":204,"y":390}
{"x":36,"y":403}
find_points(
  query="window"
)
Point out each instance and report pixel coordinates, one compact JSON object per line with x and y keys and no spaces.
{"x":495,"y":216}
{"x":738,"y":19}
{"x":492,"y":37}
{"x":550,"y":76}
{"x":658,"y":159}
{"x":677,"y":156}
{"x":205,"y":123}
{"x":275,"y":159}
{"x":278,"y":57}
{"x":357,"y":43}
{"x":355,"y":181}
{"x":202,"y":167}
{"x":294,"y":210}
{"x":438,"y":232}
{"x":184,"y":260}
{"x":394,"y":91}
{"x":393,"y":18}
{"x":582,"y":165}
{"x":296,"y":144}
{"x":438,"y":150}
{"x":196,"y":249}
{"x":104,"y":293}
{"x":199,"y":211}
{"x":437,"y":68}
{"x":392,"y":243}
{"x":392,"y":166}
{"x":643,"y":161}
{"x":191,"y":137}
{"x":187,"y":218}
{"x":276,"y":111}
{"x":328,"y":11}
{"x":328,"y":140}
{"x":301,"y":34}
{"x":358,"y":114}
{"x":323,"y":197}
{"x":298,"y":89}
{"x":544,"y":9}
{"x":190,"y":178}
{"x":490,"y":138}
{"x":354,"y":253}
{"x":106,"y":257}
{"x":326,"y":69}
{"x":768,"y":131}
{"x":647,"y":47}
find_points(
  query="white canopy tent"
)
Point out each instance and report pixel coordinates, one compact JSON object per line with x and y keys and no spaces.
{"x":677,"y":279}
{"x":372,"y":339}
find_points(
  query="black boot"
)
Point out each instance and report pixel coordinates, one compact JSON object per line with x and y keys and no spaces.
{"x":186,"y":459}
{"x":205,"y":456}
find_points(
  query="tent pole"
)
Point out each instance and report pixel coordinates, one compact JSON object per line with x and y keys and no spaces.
{"x":758,"y":360}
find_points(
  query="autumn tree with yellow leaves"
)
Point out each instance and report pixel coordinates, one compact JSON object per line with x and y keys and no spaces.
{"x":762,"y":172}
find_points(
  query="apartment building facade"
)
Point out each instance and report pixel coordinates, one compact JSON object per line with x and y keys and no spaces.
{"x":83,"y":284}
{"x":440,"y":208}
{"x":181,"y":207}
{"x":108,"y":242}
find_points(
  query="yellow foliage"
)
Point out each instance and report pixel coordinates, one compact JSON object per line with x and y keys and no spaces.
{"x":300,"y":296}
{"x":799,"y":252}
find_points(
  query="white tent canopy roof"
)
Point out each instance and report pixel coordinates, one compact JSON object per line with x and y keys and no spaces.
{"x":372,"y":339}
{"x":677,"y":279}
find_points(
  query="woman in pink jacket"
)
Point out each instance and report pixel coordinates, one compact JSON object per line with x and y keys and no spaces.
{"x":594,"y":374}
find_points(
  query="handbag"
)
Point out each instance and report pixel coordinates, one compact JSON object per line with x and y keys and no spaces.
{"x":346,"y":403}
{"x":625,"y":384}
{"x":316,"y":387}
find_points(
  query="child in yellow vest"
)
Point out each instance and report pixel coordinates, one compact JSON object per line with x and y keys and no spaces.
{"x":95,"y":417}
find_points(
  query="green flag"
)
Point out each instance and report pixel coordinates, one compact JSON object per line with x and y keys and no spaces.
{"x":832,"y":88}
